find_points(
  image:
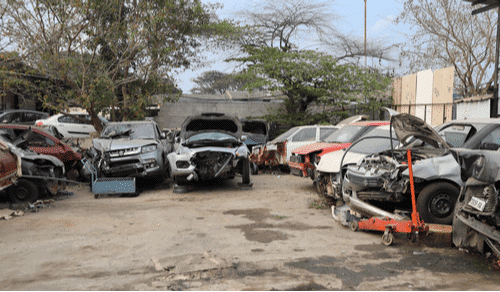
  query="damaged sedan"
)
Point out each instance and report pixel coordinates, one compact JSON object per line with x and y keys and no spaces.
{"x":40,"y":174}
{"x":211,"y":146}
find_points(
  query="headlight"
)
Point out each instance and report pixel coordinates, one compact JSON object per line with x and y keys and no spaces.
{"x":149,"y":148}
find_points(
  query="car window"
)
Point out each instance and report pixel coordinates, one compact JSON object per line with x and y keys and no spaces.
{"x":284,"y":136}
{"x":346,"y":134}
{"x":68,"y":120}
{"x":491,"y":141}
{"x":38,"y":140}
{"x":372,"y":144}
{"x":308,"y":134}
{"x":134,"y":131}
{"x":325,"y":132}
{"x":30,"y":117}
{"x":456,"y":135}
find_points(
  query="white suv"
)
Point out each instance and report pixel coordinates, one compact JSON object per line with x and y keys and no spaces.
{"x":71,"y":125}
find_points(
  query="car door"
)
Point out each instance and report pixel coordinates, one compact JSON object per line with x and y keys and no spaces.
{"x":44,"y":145}
{"x":300,"y":138}
{"x":70,"y":126}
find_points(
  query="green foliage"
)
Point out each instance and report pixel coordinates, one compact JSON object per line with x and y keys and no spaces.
{"x":308,"y":77}
{"x":110,"y":54}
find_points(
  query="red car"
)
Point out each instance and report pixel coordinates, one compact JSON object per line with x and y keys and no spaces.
{"x":9,"y":169}
{"x":44,"y":142}
{"x":304,"y":159}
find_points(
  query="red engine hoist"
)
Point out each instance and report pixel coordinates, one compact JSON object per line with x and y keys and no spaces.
{"x":390,"y":226}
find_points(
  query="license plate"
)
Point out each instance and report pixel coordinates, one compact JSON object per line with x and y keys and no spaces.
{"x":477,"y":203}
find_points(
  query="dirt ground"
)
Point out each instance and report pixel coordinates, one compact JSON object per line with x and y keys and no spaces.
{"x":276,"y":236}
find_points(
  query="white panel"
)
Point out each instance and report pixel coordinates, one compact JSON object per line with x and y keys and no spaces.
{"x":471,"y":110}
{"x":424,"y":95}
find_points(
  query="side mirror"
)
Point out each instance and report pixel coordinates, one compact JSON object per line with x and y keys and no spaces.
{"x":243,"y":138}
{"x":163,"y":135}
{"x":177,"y":139}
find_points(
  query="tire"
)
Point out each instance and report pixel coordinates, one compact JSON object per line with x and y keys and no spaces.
{"x":245,"y":171}
{"x":436,"y":203}
{"x":388,"y":239}
{"x":23,"y":191}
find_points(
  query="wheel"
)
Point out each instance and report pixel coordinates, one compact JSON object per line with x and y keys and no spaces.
{"x":354,"y":225}
{"x":436,"y":203}
{"x":387,"y":238}
{"x":255,"y":168}
{"x":245,"y":171}
{"x":23,"y":191}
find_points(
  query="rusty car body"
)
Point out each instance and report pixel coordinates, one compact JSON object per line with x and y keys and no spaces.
{"x":304,"y":159}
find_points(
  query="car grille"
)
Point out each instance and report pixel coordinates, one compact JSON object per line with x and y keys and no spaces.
{"x":122,"y":163}
{"x":124,"y":152}
{"x":363,"y":180}
{"x":481,"y":192}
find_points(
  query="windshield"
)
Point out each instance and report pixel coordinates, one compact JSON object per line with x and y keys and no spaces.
{"x":133,"y":131}
{"x":373,"y":144}
{"x":212,"y":136}
{"x":346,"y":134}
{"x":284,"y":136}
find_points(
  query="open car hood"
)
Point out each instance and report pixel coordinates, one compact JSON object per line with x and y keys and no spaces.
{"x":406,"y":125}
{"x":219,"y":123}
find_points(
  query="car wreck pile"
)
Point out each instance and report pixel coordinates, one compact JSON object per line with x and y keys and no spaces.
{"x":364,"y":167}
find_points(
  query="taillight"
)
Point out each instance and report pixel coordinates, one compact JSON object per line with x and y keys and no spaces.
{"x":39,"y":123}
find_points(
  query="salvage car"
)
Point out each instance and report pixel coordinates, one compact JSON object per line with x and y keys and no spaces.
{"x":304,"y":159}
{"x":42,"y":141}
{"x":40,"y":174}
{"x":278,"y":151}
{"x":131,"y":149}
{"x":211,"y":145}
{"x":383,"y":177}
{"x":10,"y":169}
{"x":327,"y":177}
{"x":71,"y":125}
{"x":477,"y":210}
{"x":22,"y":116}
{"x":258,"y":132}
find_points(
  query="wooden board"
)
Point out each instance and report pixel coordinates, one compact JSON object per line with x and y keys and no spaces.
{"x":408,"y":93}
{"x":397,"y":84}
{"x":442,"y":95}
{"x":423,"y":99}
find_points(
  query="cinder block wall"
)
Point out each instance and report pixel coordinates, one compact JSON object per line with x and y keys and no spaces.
{"x":172,"y":115}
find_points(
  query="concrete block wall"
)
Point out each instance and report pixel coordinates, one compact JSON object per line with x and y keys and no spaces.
{"x":172,"y":115}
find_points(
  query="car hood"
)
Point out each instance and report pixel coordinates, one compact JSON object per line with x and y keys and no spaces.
{"x":212,"y":123}
{"x":330,"y":163}
{"x":122,"y":143}
{"x":406,"y":125}
{"x":306,"y":149}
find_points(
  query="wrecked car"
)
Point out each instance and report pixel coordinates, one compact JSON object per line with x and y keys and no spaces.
{"x":43,"y":141}
{"x":130,"y":149}
{"x":304,"y":159}
{"x":210,"y":146}
{"x":258,"y":133}
{"x":383,"y":179}
{"x":327,"y":177}
{"x":278,"y":151}
{"x":10,"y":169}
{"x":40,"y":174}
{"x":477,"y":214}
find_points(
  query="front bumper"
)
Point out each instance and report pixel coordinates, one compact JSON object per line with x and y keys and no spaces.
{"x":139,"y":165}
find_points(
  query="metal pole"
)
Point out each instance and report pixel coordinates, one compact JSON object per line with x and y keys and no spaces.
{"x":365,"y":33}
{"x":494,"y":101}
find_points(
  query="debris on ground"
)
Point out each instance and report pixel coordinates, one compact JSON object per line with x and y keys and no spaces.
{"x":8,"y":214}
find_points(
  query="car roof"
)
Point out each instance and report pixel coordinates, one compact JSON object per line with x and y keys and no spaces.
{"x":131,"y":122}
{"x":370,"y":123}
{"x":23,"y":110}
{"x":476,"y":120}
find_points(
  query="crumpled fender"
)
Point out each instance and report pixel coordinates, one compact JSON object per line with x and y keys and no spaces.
{"x":442,"y":167}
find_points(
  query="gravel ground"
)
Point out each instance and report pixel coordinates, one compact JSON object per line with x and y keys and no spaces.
{"x":277,"y":236}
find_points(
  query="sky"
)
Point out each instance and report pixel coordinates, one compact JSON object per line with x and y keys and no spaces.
{"x":380,"y":14}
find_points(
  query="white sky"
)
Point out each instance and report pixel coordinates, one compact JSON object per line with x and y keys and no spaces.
{"x":380,"y":13}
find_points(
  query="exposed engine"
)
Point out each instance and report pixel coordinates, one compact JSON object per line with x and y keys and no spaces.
{"x":211,"y":164}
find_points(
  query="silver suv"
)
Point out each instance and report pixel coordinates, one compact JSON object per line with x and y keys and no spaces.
{"x":134,"y":148}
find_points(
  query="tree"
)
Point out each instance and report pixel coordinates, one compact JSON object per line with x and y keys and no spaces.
{"x":307,"y":77}
{"x":109,"y":53}
{"x":216,"y":82}
{"x":447,"y":35}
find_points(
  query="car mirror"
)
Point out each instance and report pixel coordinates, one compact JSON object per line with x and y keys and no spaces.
{"x":243,"y":138}
{"x":489,"y":146}
{"x":177,"y":139}
{"x":163,"y":135}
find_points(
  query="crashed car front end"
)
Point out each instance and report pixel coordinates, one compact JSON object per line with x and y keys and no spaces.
{"x":477,"y":214}
{"x":210,"y":146}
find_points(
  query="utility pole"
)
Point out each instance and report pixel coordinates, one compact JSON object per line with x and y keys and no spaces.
{"x":365,"y":34}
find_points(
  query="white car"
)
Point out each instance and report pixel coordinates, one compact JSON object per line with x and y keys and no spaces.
{"x":71,"y":125}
